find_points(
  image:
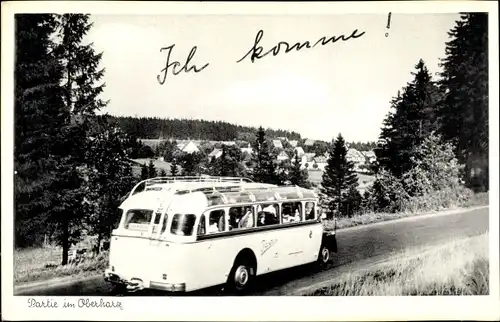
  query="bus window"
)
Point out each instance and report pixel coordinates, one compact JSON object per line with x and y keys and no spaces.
{"x":156,"y":225}
{"x":291,"y":212}
{"x":267,"y":215}
{"x":138,"y":219}
{"x":241,"y":217}
{"x":216,"y":221}
{"x":202,"y":226}
{"x":182,"y":224}
{"x":310,"y":213}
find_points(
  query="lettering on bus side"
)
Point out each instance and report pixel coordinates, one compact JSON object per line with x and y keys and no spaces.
{"x":267,"y":244}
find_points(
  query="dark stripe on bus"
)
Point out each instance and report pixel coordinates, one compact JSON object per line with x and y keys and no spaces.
{"x":245,"y":231}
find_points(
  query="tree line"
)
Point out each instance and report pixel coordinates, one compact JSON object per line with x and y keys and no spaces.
{"x":159,"y":128}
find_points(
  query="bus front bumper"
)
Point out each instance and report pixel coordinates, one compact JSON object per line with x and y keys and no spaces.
{"x":136,"y":284}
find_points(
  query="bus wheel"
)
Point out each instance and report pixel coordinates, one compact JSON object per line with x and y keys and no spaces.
{"x":241,"y":277}
{"x":324,"y":256}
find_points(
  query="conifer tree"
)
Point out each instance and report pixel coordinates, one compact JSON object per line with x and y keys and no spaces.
{"x":173,"y":167}
{"x":80,"y":75}
{"x":144,"y":172}
{"x":463,"y":113}
{"x":298,"y":176}
{"x":151,"y":169}
{"x":265,"y":168}
{"x":412,"y":119}
{"x":339,"y":176}
{"x":39,"y":114}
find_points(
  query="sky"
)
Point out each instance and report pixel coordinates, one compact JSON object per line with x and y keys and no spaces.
{"x":341,"y":87}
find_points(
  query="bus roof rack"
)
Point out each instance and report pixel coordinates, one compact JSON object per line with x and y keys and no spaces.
{"x":189,"y":179}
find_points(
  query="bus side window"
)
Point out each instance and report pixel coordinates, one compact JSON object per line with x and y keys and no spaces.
{"x":310,"y":211}
{"x":202,"y":226}
{"x":241,"y":217}
{"x":216,"y":221}
{"x":269,"y":215}
{"x":291,"y":212}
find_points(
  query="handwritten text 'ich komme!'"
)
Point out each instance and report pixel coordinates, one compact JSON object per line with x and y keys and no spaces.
{"x":256,"y":52}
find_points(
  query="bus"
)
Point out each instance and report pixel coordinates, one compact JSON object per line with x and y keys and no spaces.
{"x":181,"y":234}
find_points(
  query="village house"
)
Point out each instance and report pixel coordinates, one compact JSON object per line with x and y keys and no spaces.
{"x":307,"y":158}
{"x":321,"y":161}
{"x":309,"y":142}
{"x":299,"y":151}
{"x":293,"y":143}
{"x":356,"y":157}
{"x":216,"y":153}
{"x":277,"y":144}
{"x":187,"y":146}
{"x":369,"y":156}
{"x":248,"y":149}
{"x":282,"y":138}
{"x":282,"y":156}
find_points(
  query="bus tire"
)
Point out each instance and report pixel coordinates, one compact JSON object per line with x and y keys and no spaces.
{"x":241,"y":276}
{"x":324,"y":256}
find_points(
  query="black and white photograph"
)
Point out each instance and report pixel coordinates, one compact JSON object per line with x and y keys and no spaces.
{"x":185,"y":161}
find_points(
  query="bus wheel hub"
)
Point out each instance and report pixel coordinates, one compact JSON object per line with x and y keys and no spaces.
{"x":325,"y":254}
{"x":241,"y":275}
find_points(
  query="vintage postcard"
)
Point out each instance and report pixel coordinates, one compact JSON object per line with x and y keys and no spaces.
{"x":250,"y":161}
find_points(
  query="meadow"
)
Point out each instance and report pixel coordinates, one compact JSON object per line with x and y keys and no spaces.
{"x":463,"y":270}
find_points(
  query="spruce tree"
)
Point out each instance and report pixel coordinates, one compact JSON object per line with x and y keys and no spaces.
{"x":265,"y":168}
{"x":163,"y":173}
{"x":339,"y":176}
{"x":463,"y":113}
{"x":81,"y":73}
{"x":39,"y":115}
{"x":298,"y":176}
{"x":412,"y":119}
{"x":173,"y":167}
{"x":151,"y":169}
{"x":144,"y":172}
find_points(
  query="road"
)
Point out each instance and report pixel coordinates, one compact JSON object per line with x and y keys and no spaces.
{"x":358,"y":247}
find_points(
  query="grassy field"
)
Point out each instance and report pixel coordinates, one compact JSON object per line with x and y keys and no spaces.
{"x":459,"y":267}
{"x":36,"y":264}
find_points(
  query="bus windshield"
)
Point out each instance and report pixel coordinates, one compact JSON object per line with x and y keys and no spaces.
{"x":182,"y":224}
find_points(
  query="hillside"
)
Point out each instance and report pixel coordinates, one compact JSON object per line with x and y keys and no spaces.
{"x":155,"y":128}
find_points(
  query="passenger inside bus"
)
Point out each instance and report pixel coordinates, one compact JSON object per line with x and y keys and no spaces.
{"x":268,"y":215}
{"x":247,"y":220}
{"x":213,"y":228}
{"x":310,"y":211}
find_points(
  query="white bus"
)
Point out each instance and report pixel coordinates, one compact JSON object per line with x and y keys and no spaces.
{"x":182,"y":234}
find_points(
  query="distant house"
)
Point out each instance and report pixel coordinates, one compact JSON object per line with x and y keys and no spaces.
{"x":293,"y":143}
{"x":309,"y":142}
{"x":307,"y":158}
{"x":282,"y":138}
{"x":369,"y":156}
{"x":282,"y":156}
{"x":223,"y":142}
{"x":355,"y":157}
{"x":216,"y":153}
{"x":277,"y":144}
{"x":248,"y":149}
{"x":188,"y":147}
{"x":321,"y":161}
{"x":299,"y":151}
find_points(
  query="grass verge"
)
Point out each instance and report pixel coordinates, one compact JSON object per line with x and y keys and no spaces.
{"x":38,"y":264}
{"x":478,"y":199}
{"x":459,"y":267}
